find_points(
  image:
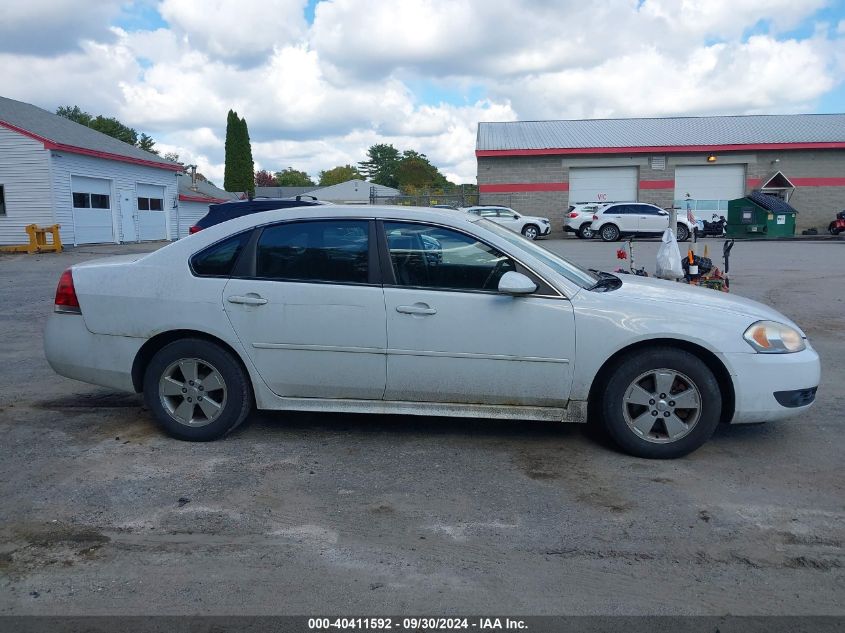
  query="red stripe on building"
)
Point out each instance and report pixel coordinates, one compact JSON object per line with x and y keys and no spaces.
{"x":657,"y":184}
{"x":818,"y":182}
{"x":515,"y":187}
{"x":669,"y":149}
{"x":51,"y":145}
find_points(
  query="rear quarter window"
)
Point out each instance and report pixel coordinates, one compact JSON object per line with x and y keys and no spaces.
{"x":218,"y":260}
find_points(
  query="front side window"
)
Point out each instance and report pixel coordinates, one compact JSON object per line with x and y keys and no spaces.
{"x":219,"y":259}
{"x":427,"y":256}
{"x":507,"y":213}
{"x":488,"y":213}
{"x":333,"y":251}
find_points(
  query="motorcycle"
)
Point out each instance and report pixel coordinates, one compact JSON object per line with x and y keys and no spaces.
{"x":716,"y":228}
{"x":838,"y":225}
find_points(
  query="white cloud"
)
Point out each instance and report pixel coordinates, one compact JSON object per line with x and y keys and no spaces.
{"x":369,"y":71}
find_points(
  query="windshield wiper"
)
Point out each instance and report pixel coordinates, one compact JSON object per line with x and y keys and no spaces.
{"x":605,"y":282}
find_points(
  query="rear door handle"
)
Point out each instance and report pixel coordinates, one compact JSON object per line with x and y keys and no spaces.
{"x":417,"y":308}
{"x":250,"y":299}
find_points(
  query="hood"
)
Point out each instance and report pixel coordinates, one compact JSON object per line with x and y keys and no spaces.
{"x":660,"y":291}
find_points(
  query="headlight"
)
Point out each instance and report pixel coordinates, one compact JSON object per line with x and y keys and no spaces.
{"x":768,"y":337}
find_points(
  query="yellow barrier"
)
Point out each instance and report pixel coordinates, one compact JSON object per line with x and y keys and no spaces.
{"x":38,"y":241}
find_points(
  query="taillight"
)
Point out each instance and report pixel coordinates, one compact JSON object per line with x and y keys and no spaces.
{"x":194,"y":229}
{"x":66,"y":300}
{"x":574,"y":214}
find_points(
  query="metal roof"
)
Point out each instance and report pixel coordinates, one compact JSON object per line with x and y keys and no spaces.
{"x":666,"y":132}
{"x":203,"y":189}
{"x":46,"y":126}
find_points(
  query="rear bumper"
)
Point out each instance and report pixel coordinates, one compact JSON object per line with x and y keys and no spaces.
{"x":773,"y":386}
{"x":74,"y":352}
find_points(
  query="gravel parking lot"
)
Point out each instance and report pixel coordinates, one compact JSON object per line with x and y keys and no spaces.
{"x":345,"y":514}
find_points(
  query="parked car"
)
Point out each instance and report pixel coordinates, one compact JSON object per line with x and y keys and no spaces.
{"x":530,"y":226}
{"x":616,"y":220}
{"x":579,"y":218}
{"x":445,"y":206}
{"x":218,"y":213}
{"x":419,"y":312}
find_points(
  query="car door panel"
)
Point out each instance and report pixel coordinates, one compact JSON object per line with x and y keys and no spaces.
{"x":483,"y":348}
{"x":312,"y":339}
{"x":447,"y":343}
{"x":651,"y":220}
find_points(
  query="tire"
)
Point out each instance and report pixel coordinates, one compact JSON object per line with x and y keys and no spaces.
{"x":609,"y":233}
{"x":586,"y":231}
{"x":531,"y":231}
{"x":832,"y":229}
{"x":186,"y":371}
{"x":683,"y":232}
{"x":635,"y":427}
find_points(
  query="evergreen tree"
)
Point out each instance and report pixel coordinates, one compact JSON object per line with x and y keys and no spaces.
{"x":230,"y":169}
{"x":247,"y":167}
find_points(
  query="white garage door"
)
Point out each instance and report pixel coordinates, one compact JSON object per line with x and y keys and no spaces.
{"x":92,"y":210}
{"x":709,"y":186}
{"x":602,"y":184}
{"x":152,"y":217}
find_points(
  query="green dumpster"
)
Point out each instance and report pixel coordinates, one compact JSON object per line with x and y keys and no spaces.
{"x":760,"y":215}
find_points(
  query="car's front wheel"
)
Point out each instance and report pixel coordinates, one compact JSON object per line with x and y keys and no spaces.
{"x":196,"y":390}
{"x":683,"y":232}
{"x":833,"y":229}
{"x":609,"y":233}
{"x":531,"y":232}
{"x":586,"y":231}
{"x":661,"y":403}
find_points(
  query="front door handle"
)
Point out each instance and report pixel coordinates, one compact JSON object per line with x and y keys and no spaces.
{"x":417,"y":308}
{"x":250,"y":299}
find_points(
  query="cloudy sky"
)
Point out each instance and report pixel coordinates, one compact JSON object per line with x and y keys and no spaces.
{"x":319,"y":81}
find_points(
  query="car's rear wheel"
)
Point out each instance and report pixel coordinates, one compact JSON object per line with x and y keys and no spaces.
{"x":586,"y":231}
{"x":661,"y":403}
{"x":609,"y":233}
{"x":196,"y":390}
{"x":683,"y":232}
{"x":531,"y":232}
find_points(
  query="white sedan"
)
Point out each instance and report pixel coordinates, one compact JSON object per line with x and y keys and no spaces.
{"x":528,"y":225}
{"x":419,"y":312}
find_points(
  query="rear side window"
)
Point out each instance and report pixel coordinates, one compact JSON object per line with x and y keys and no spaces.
{"x":325,"y":250}
{"x":219,"y":259}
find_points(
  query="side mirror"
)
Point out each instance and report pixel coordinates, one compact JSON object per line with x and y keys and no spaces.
{"x":513,"y":283}
{"x":516,"y":217}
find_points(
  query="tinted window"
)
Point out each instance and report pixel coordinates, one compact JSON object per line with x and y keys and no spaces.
{"x":326,"y":250}
{"x":617,"y":209}
{"x":2,"y":201}
{"x":218,"y":259}
{"x":434,"y":257}
{"x":81,"y":201}
{"x":645,"y":209}
{"x":99,"y":201}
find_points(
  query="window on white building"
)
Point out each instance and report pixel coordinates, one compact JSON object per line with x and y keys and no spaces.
{"x":2,"y":201}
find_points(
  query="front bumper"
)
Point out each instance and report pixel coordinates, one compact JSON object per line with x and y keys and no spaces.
{"x":545,"y":229}
{"x":763,"y":381}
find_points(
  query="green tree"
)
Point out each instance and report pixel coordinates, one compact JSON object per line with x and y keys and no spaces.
{"x":414,"y":172}
{"x":108,"y":125}
{"x":339,"y":174}
{"x":239,"y":168}
{"x":380,"y":166}
{"x":146,"y":143}
{"x":290,"y":177}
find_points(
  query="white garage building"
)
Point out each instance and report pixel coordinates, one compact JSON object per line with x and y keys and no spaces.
{"x":99,"y":189}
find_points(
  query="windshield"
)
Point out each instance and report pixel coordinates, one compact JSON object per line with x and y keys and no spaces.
{"x":573,"y":273}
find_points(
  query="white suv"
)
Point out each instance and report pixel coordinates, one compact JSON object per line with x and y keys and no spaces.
{"x":613,"y":221}
{"x":530,"y":226}
{"x":579,"y":217}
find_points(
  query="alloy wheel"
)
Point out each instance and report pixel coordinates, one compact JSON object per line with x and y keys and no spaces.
{"x":530,"y":232}
{"x":661,"y":406}
{"x":192,"y":392}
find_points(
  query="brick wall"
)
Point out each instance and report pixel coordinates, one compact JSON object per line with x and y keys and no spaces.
{"x":816,"y":205}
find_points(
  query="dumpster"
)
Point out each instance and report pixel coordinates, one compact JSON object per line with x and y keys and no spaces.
{"x":760,"y":215}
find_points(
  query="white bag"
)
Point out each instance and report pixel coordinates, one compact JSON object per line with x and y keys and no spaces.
{"x":669,"y":257}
